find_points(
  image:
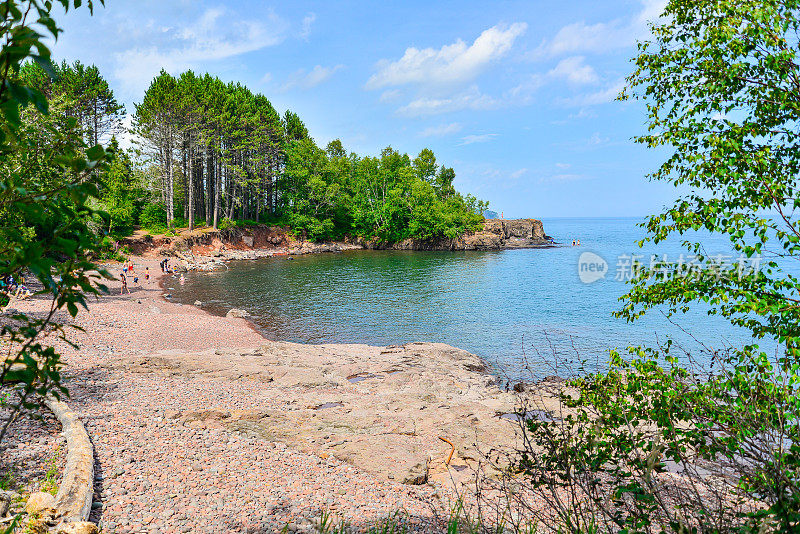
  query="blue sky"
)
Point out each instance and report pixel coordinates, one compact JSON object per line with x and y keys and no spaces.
{"x":517,"y":96}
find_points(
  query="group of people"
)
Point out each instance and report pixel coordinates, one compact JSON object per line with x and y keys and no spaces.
{"x":576,"y":243}
{"x":128,"y":270}
{"x":13,"y":289}
{"x":165,"y":268}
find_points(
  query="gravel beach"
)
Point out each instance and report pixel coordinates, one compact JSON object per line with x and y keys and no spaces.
{"x":201,"y":425}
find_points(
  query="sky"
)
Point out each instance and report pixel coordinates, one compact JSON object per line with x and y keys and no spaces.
{"x":517,"y":96}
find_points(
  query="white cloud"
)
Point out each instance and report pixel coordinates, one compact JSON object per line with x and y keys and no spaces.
{"x":441,"y":130}
{"x":469,"y":99}
{"x":652,"y":9}
{"x":483,"y":138}
{"x":391,"y":95}
{"x":603,"y":36}
{"x":519,"y":173}
{"x":524,"y":92}
{"x":563,"y":165}
{"x":583,"y":113}
{"x":454,"y":63}
{"x":209,"y":38}
{"x":572,"y":69}
{"x":308,"y":21}
{"x":300,"y":79}
{"x":596,"y":140}
{"x":604,"y":96}
{"x":582,"y":37}
{"x":575,"y":71}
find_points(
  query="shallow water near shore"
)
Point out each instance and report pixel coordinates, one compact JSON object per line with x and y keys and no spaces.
{"x":523,"y":311}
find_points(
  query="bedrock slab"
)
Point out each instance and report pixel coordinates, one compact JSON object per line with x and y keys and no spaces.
{"x":383,"y":409}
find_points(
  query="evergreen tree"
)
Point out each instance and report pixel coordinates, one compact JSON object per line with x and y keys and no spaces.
{"x":225,"y":153}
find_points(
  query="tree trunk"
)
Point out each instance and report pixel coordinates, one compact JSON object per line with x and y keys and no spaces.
{"x":209,"y":190}
{"x":170,"y":183}
{"x":217,"y":191}
{"x":190,"y":187}
{"x":96,"y":139}
{"x":186,"y":173}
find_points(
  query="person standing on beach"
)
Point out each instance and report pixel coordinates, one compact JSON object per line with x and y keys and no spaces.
{"x":147,"y":274}
{"x":124,"y":284}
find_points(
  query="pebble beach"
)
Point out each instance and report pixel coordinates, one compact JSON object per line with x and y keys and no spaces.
{"x":201,"y":424}
{"x":156,"y":473}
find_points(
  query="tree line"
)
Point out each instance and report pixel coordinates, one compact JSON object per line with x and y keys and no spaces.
{"x":210,"y":153}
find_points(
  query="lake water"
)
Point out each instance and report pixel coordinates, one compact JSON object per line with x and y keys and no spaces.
{"x":500,"y":305}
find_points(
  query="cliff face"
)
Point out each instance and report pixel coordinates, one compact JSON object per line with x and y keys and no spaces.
{"x":497,"y":234}
{"x":517,"y":233}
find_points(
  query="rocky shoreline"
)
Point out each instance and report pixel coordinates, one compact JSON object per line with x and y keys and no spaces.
{"x":205,"y":247}
{"x":202,"y":425}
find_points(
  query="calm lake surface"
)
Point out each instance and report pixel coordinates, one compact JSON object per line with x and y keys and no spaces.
{"x":499,"y":305}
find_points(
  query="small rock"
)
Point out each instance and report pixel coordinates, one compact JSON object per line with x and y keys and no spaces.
{"x":6,"y":497}
{"x":96,"y":505}
{"x":236,"y":312}
{"x":38,"y":502}
{"x":79,"y":527}
{"x":417,"y":475}
{"x":519,"y":387}
{"x":198,"y":303}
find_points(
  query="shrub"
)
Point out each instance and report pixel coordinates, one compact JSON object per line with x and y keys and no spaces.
{"x":153,"y":217}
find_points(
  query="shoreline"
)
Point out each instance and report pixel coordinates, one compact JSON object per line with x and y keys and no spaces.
{"x":259,"y":241}
{"x":164,"y":298}
{"x":284,"y":429}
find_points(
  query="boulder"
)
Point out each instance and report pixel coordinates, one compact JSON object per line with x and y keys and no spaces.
{"x":39,"y":502}
{"x":198,"y":303}
{"x":417,"y":475}
{"x":237,"y":313}
{"x":482,"y":241}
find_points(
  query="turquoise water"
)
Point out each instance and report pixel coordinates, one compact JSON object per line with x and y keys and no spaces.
{"x":524,"y":311}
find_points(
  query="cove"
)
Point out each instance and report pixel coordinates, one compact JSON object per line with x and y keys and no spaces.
{"x":522,"y":311}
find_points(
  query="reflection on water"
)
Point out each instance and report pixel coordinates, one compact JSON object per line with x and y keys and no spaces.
{"x":499,"y":305}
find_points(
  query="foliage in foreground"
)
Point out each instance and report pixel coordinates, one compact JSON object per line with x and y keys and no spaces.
{"x":655,"y":444}
{"x":457,"y":521}
{"x":46,"y":183}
